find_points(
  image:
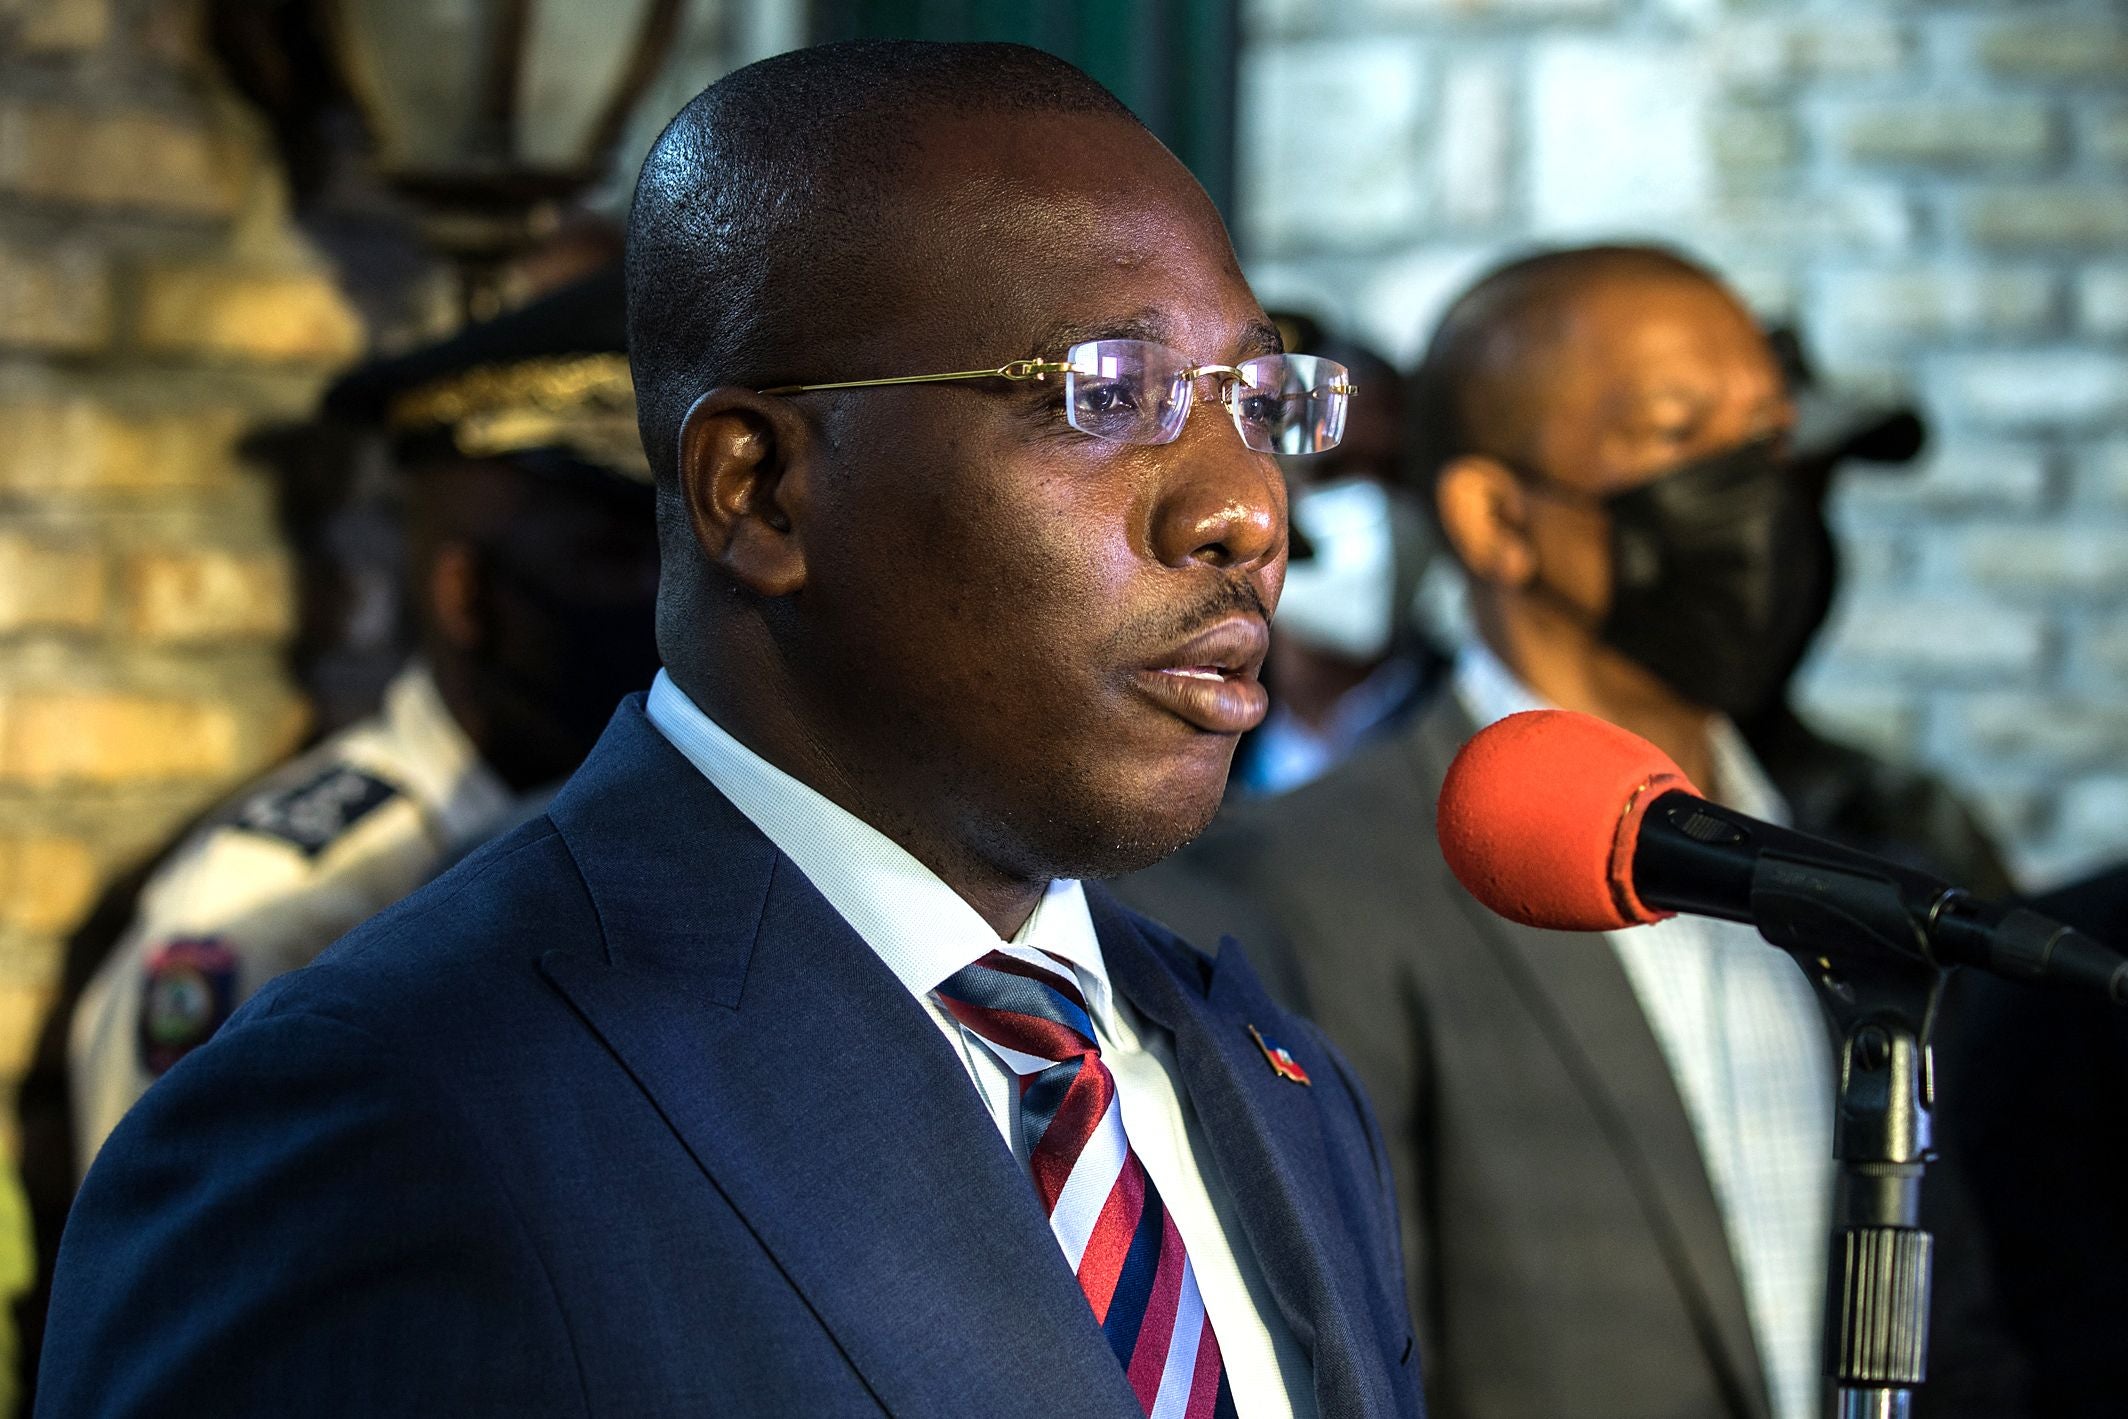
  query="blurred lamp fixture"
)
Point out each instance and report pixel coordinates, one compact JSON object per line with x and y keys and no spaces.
{"x":490,"y":114}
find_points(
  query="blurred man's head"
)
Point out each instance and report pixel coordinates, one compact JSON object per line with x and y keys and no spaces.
{"x":1360,"y":541}
{"x":529,"y":521}
{"x":1022,"y":650}
{"x":1605,"y":429}
{"x":534,"y":587}
{"x":1373,"y":445}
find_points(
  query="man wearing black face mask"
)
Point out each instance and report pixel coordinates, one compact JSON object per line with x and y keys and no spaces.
{"x":533,"y":561}
{"x":1890,"y":810}
{"x":1613,"y":1157}
{"x":1712,"y":563}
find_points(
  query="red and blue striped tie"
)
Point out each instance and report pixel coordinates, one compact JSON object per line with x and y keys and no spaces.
{"x":1102,"y":1206}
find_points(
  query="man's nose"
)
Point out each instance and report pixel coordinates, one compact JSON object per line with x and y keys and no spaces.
{"x":1221,"y":502}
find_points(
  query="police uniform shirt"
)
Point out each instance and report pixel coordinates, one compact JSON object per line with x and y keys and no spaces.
{"x":324,"y":842}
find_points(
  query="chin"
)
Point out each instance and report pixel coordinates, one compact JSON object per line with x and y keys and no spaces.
{"x":1140,"y":828}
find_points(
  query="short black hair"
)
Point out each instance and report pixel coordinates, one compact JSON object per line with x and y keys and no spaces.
{"x":1472,"y":393}
{"x":762,"y":204}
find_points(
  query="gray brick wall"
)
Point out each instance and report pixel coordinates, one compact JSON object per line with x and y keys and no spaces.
{"x":1937,"y":194}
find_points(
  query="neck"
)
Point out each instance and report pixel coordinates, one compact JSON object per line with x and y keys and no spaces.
{"x":765,"y":722}
{"x":1565,"y":666}
{"x":1007,"y":907}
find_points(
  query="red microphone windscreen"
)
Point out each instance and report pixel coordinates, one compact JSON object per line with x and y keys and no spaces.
{"x":1539,"y":814}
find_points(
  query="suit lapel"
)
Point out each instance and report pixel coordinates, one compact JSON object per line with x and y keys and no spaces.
{"x":1266,"y":1141}
{"x":820,"y":1100}
{"x":1579,"y":992}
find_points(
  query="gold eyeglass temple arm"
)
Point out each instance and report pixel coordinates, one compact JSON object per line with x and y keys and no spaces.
{"x":1016,"y":369}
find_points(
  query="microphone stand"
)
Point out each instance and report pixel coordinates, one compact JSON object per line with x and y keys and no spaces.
{"x":1877,"y":941}
{"x":1867,"y":958}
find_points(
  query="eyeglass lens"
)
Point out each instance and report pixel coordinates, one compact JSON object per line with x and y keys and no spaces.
{"x":1137,"y":391}
{"x":1291,"y":403}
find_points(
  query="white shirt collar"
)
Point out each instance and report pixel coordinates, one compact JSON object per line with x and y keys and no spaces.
{"x":1489,"y":691}
{"x":919,"y":927}
{"x":441,"y":768}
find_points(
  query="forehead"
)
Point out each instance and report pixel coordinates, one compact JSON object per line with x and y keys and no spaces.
{"x":1630,"y":340}
{"x":1023,"y":233}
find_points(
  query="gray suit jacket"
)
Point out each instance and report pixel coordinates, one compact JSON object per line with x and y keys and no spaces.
{"x":1565,"y":1252}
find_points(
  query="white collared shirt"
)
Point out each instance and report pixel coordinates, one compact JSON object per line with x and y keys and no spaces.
{"x":924,"y":932}
{"x":1747,"y":1044}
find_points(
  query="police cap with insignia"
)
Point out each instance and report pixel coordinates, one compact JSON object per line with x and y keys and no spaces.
{"x":545,"y":385}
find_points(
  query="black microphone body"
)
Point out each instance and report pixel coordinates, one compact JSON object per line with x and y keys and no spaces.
{"x":1811,"y":896}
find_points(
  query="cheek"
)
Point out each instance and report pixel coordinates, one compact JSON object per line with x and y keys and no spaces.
{"x":1273,"y":580}
{"x":1574,"y":555}
{"x":995,"y":573}
{"x":1051,"y":566}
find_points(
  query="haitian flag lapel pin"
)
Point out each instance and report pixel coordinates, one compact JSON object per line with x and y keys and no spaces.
{"x":1284,"y":1065}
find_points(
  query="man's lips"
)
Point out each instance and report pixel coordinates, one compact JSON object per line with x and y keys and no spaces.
{"x":1210,"y":679}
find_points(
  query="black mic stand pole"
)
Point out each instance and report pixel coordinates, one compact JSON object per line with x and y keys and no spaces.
{"x":1873,"y":938}
{"x":1882,"y":1006}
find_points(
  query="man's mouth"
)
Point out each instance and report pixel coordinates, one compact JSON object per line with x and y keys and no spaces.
{"x":1210,"y":679}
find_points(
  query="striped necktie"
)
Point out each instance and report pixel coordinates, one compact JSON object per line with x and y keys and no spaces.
{"x":1102,"y":1206}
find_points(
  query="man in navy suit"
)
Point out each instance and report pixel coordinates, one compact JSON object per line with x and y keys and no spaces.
{"x":784,"y":1066}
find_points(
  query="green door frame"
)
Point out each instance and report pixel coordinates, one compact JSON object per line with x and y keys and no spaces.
{"x":1172,"y":61}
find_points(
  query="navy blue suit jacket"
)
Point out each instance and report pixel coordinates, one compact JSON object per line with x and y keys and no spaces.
{"x":619,"y":1117}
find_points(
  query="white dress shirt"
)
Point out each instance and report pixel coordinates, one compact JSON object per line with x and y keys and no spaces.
{"x":924,"y":932}
{"x":1747,"y":1044}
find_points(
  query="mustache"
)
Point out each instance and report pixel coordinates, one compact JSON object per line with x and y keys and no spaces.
{"x":1154,"y":634}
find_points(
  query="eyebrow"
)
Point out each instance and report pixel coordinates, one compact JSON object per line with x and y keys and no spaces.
{"x":1143,"y":325}
{"x":1636,"y":403}
{"x":1258,"y":337}
{"x":1261,"y":337}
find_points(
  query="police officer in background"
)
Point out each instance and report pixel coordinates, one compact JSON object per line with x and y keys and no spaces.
{"x":534,"y":571}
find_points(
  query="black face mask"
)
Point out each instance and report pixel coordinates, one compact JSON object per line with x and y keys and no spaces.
{"x":1720,"y":574}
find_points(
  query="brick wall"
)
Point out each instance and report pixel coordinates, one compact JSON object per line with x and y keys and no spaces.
{"x":155,"y":303}
{"x":1937,"y":194}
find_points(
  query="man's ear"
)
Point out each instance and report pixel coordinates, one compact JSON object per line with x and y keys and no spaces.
{"x":743,"y":476}
{"x":1484,"y":513}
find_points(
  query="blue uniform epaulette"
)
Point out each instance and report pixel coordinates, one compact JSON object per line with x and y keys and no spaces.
{"x":313,"y":814}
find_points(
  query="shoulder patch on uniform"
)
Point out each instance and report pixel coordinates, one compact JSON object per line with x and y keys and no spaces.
{"x":312,"y":814}
{"x":188,"y":990}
